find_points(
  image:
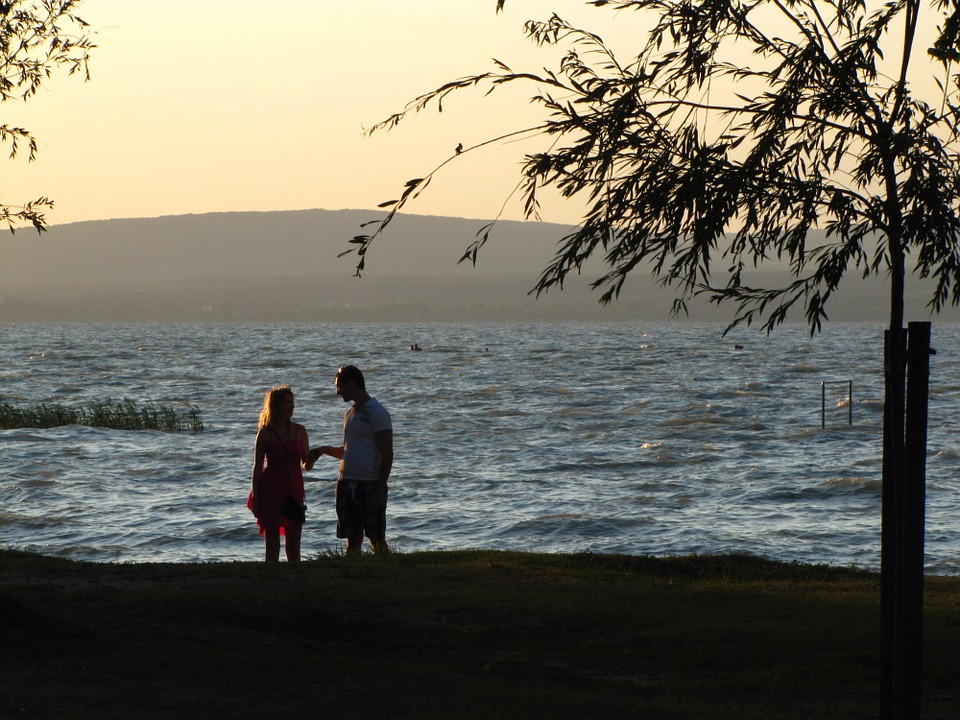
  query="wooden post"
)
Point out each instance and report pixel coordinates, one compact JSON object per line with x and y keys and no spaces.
{"x":910,"y":534}
{"x":904,"y":492}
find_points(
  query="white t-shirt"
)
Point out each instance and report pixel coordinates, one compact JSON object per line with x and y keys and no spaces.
{"x":361,"y":458}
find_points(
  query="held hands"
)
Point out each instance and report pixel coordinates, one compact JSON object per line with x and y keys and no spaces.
{"x":331,"y":450}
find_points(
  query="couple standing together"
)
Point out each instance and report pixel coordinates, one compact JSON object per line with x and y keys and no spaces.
{"x":283,"y":452}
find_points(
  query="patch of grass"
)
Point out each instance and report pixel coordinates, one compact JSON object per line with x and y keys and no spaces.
{"x":125,"y":415}
{"x":470,"y":635}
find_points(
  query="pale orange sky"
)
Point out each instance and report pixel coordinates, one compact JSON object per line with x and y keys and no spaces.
{"x":207,"y":105}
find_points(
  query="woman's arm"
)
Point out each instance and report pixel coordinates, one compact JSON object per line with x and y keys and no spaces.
{"x":260,"y":448}
{"x":305,"y":460}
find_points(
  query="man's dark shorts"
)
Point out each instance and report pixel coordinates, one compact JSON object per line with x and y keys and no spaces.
{"x":354,"y":517}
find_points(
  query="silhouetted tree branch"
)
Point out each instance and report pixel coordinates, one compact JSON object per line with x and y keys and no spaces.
{"x":813,"y":136}
{"x":37,"y":38}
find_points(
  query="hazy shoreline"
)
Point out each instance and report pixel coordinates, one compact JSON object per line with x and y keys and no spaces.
{"x":284,"y":267}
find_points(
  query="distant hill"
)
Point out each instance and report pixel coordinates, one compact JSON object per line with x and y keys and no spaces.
{"x":283,"y":267}
{"x":267,"y":244}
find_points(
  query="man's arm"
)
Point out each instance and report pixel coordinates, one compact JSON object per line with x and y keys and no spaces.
{"x":331,"y":450}
{"x":384,"y":440}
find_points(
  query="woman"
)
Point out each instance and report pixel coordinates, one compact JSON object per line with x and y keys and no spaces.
{"x":284,"y":445}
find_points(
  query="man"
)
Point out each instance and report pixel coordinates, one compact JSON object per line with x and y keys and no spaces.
{"x":366,"y":458}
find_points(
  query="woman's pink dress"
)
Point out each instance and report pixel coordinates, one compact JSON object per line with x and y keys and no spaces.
{"x":280,"y":478}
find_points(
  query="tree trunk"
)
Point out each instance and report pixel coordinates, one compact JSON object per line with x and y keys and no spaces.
{"x":892,"y":469}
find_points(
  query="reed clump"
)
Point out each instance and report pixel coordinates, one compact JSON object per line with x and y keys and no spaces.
{"x":123,"y":415}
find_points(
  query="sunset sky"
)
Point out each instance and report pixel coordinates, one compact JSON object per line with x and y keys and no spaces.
{"x":213,"y":106}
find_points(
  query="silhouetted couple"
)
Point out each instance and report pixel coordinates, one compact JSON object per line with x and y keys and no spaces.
{"x":283,"y":452}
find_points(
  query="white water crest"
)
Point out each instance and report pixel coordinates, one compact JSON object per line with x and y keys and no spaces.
{"x":642,"y":438}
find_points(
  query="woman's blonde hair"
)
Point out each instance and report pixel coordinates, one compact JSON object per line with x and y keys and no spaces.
{"x":271,"y":401}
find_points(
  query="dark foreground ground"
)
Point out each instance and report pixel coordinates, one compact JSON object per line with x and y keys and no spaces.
{"x":456,"y":635}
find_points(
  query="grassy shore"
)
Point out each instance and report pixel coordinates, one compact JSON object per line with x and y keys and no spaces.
{"x":456,"y":635}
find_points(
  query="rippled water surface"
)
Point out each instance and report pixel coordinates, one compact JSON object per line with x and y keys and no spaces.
{"x":641,"y":439}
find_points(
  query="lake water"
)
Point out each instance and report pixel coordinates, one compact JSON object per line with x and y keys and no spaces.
{"x":642,"y":438}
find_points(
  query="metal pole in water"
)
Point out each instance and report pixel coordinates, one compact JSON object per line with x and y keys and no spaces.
{"x":849,"y":402}
{"x":823,"y":405}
